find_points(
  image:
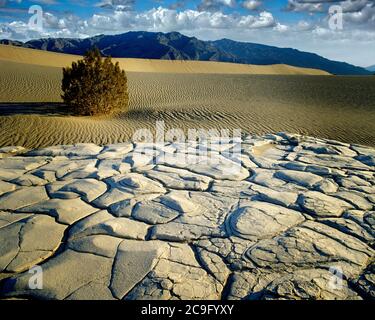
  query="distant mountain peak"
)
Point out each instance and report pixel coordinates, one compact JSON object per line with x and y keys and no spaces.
{"x":176,"y":46}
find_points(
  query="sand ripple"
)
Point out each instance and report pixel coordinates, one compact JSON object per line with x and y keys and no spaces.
{"x":341,"y":108}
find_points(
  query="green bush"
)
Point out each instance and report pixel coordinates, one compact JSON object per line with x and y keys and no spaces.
{"x":95,"y":86}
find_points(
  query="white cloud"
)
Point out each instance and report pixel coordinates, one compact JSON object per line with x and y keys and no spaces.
{"x":281,"y":27}
{"x":300,"y":6}
{"x":164,"y":19}
{"x":124,"y":5}
{"x":156,"y":19}
{"x":354,"y":11}
{"x":252,"y":4}
{"x":303,"y":25}
{"x":215,"y":5}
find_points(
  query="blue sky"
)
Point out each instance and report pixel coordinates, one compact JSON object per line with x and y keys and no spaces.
{"x":302,"y":24}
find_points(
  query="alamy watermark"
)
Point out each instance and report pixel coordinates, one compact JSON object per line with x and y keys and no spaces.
{"x":336,"y":18}
{"x":36,"y":280}
{"x":36,"y":20}
{"x":336,"y":281}
{"x":219,"y":149}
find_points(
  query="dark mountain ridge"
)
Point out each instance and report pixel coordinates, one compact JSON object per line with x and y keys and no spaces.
{"x":175,"y":46}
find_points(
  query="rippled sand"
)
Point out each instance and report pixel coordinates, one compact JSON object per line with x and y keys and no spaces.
{"x":341,"y":108}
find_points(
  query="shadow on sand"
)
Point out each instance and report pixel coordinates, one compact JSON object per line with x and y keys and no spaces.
{"x":58,"y":109}
{"x":34,"y":108}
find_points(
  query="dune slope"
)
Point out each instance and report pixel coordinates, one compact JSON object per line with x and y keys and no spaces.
{"x":51,"y":59}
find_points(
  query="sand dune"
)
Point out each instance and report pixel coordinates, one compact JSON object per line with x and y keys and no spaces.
{"x":341,"y":108}
{"x":51,"y":59}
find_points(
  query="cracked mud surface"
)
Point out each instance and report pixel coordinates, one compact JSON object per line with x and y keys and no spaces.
{"x":107,"y":223}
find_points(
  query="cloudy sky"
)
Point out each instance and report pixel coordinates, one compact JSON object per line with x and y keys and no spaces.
{"x":302,"y":24}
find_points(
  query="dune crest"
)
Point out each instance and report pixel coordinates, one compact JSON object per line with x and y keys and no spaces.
{"x":52,"y":59}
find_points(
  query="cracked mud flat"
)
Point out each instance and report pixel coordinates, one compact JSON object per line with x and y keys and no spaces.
{"x":104,"y":223}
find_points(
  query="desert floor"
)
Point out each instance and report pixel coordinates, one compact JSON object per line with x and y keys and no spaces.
{"x":110,"y":222}
{"x":278,"y":98}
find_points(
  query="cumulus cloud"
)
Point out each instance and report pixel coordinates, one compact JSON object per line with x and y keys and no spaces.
{"x":303,"y":25}
{"x":215,"y":5}
{"x":281,"y":27}
{"x":355,"y":11}
{"x":364,"y":14}
{"x":123,"y":5}
{"x":300,"y":6}
{"x":156,"y":19}
{"x":164,"y":19}
{"x":252,"y":4}
{"x":356,"y":14}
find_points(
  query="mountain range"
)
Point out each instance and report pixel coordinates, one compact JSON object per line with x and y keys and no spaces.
{"x":175,"y":46}
{"x":371,"y":68}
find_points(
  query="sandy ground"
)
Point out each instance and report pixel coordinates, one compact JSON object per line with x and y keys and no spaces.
{"x":341,"y":108}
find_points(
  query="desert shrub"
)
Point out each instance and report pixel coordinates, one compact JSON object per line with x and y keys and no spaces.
{"x":95,"y":86}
